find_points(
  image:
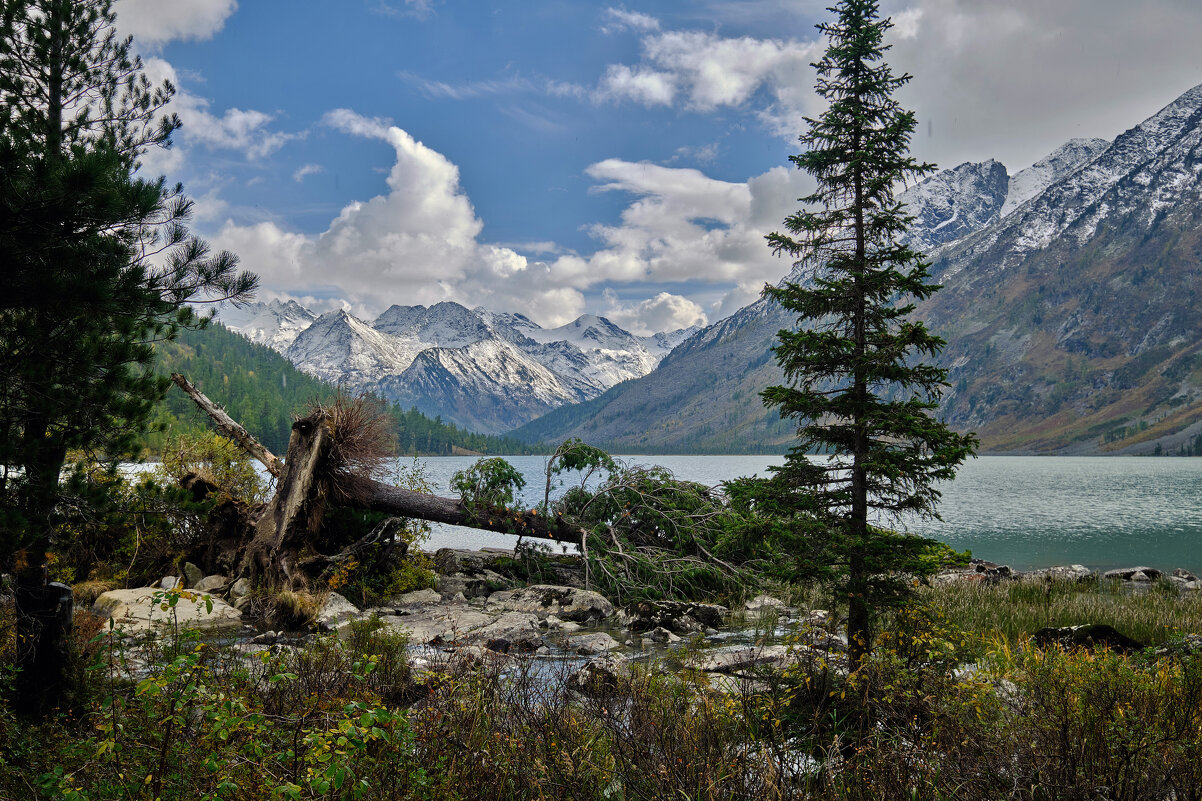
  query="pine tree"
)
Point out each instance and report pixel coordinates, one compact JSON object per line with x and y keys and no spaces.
{"x":856,"y":382}
{"x":98,"y":264}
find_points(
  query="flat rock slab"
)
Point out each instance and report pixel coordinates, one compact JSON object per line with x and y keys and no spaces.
{"x":447,"y":623}
{"x":136,"y":612}
{"x":566,"y":603}
{"x":595,"y":643}
{"x":735,"y":658}
{"x":1133,"y":574}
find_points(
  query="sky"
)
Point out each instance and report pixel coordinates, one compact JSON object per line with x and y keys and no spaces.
{"x":561,"y":157}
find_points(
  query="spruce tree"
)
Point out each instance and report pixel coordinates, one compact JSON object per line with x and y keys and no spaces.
{"x":856,"y":380}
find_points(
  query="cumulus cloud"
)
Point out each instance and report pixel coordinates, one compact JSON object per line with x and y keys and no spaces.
{"x":420,"y":242}
{"x":704,"y":71}
{"x":153,"y":22}
{"x":664,"y":312}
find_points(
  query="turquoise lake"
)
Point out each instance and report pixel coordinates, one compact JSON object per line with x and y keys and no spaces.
{"x":1024,"y":511}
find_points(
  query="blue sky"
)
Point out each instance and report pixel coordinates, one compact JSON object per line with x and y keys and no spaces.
{"x":554,"y":157}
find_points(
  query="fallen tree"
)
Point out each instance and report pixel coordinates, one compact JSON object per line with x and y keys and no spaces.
{"x":311,"y":476}
{"x":641,"y":531}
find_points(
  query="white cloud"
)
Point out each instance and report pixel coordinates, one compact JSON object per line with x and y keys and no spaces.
{"x":704,"y":71}
{"x":619,"y":19}
{"x":153,"y":22}
{"x":420,"y":241}
{"x":664,"y":312}
{"x":306,"y":170}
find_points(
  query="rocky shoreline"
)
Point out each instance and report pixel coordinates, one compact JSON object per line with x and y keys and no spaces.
{"x":481,"y":611}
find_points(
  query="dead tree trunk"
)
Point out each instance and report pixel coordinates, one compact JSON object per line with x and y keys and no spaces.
{"x":281,"y":551}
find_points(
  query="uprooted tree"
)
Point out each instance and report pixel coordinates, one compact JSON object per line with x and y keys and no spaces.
{"x":640,"y":530}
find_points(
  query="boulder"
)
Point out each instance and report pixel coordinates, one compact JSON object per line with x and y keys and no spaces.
{"x":511,"y":632}
{"x":171,"y":583}
{"x":563,"y":626}
{"x":1063,"y":573}
{"x":1091,"y":635}
{"x":137,"y":612}
{"x":597,"y":642}
{"x":445,"y":623}
{"x":1133,"y":574}
{"x":737,"y":658}
{"x":240,"y":590}
{"x":601,"y":677}
{"x":414,"y":598}
{"x":211,"y":584}
{"x":764,"y":603}
{"x":662,"y":635}
{"x":480,"y":584}
{"x":682,"y":617}
{"x":192,"y":575}
{"x":1182,"y":573}
{"x":1189,"y":645}
{"x":448,"y":561}
{"x":566,"y":603}
{"x":335,"y":612}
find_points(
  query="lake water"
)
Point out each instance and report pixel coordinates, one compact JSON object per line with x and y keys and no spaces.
{"x":1024,"y":511}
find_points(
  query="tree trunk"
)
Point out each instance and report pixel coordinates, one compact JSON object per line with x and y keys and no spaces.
{"x":44,"y":617}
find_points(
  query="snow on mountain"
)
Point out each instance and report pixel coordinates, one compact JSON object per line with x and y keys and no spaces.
{"x":273,"y":324}
{"x":1061,"y":162}
{"x":661,"y":344}
{"x":1150,"y":167}
{"x":343,"y":349}
{"x":473,"y":366}
{"x":956,"y":202}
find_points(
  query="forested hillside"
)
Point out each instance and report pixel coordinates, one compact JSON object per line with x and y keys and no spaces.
{"x":262,"y":390}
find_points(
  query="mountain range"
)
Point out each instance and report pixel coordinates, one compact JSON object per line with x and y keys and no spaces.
{"x":487,"y":371}
{"x":1069,"y":306}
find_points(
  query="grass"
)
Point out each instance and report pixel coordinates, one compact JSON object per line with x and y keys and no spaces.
{"x":1014,"y":609}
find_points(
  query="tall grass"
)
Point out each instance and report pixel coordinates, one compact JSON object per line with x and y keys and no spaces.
{"x":1015,"y":609}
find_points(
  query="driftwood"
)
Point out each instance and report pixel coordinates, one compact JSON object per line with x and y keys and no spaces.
{"x":281,"y":547}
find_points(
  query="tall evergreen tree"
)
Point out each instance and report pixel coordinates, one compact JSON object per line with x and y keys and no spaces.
{"x":98,"y":263}
{"x":856,"y":382}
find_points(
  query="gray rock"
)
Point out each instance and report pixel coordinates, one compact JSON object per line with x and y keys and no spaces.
{"x":136,"y":612}
{"x":449,"y":561}
{"x":511,"y":632}
{"x":662,"y":635}
{"x":600,"y":677}
{"x":414,"y":598}
{"x":597,"y":642}
{"x":762,"y":603}
{"x":266,"y":638}
{"x":735,"y":658}
{"x":682,"y":617}
{"x":240,"y":590}
{"x":565,"y":626}
{"x":1182,"y":573}
{"x":444,"y":623}
{"x":336,"y":611}
{"x":192,"y":575}
{"x":1063,"y":573}
{"x":171,"y":583}
{"x":566,"y":603}
{"x":1133,"y":574}
{"x":211,"y":584}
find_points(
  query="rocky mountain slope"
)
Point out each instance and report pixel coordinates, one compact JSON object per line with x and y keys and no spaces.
{"x":1070,"y":304}
{"x":487,"y":371}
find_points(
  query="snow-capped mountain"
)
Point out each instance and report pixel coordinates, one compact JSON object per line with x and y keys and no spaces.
{"x":489,"y":371}
{"x":954,"y":203}
{"x":1058,"y":164}
{"x":1070,"y":303}
{"x":273,"y":324}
